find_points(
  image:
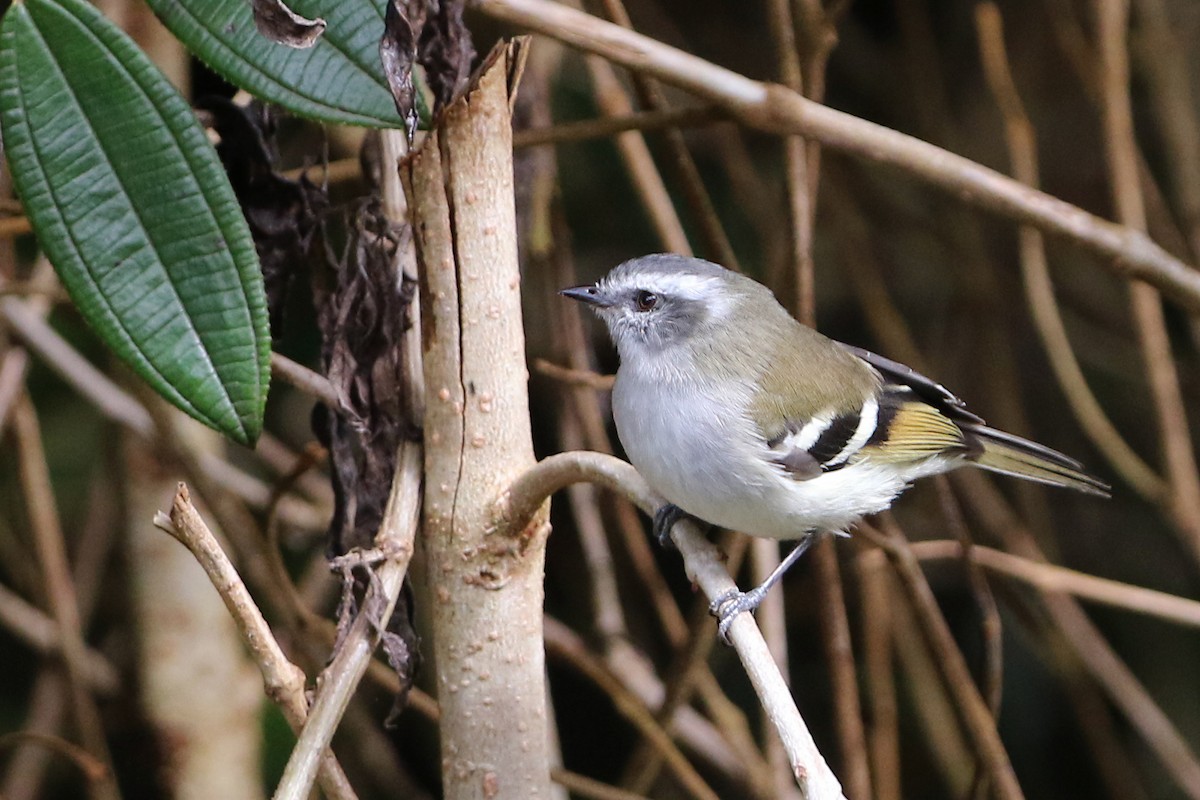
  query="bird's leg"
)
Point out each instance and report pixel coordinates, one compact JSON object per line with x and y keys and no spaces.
{"x":664,"y":519}
{"x":726,"y":607}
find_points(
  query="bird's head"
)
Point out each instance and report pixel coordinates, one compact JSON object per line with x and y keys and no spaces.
{"x":657,"y":302}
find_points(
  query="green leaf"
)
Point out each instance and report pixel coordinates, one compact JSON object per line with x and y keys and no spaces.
{"x":339,"y":79}
{"x":131,"y":205}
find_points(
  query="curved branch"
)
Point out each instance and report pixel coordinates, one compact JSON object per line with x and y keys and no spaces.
{"x":1039,"y":291}
{"x":770,"y":107}
{"x":706,"y":568}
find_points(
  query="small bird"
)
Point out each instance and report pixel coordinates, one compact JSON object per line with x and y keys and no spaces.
{"x":742,"y":417}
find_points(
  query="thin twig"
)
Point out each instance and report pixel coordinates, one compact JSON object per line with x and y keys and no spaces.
{"x":883,"y":735}
{"x":302,"y":615}
{"x":801,"y":192}
{"x":126,"y":410}
{"x":574,"y":377}
{"x":47,"y":700}
{"x":1149,"y":320}
{"x":562,"y":643}
{"x":1170,"y":85}
{"x":607,"y":611}
{"x":394,"y":540}
{"x":585,"y":787}
{"x":801,"y":272}
{"x":92,"y":768}
{"x":683,"y":674}
{"x":76,"y":370}
{"x":969,"y":704}
{"x":283,"y":681}
{"x":992,"y":681}
{"x":843,"y":675}
{"x":13,"y":367}
{"x":347,"y":169}
{"x":54,"y":294}
{"x":1096,"y":718}
{"x":1095,"y":653}
{"x":930,"y":705}
{"x":60,"y":588}
{"x":41,"y":633}
{"x":612,"y":100}
{"x":281,"y":458}
{"x":1039,"y":291}
{"x":305,"y":379}
{"x":990,"y":627}
{"x":604,"y":127}
{"x":11,"y":227}
{"x":1052,"y":578}
{"x":859,"y":261}
{"x":772,"y":620}
{"x":724,"y":743}
{"x":687,"y":175}
{"x":773,"y":108}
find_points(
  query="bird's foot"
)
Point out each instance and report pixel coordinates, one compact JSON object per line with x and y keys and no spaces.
{"x":726,"y":607}
{"x":729,"y":605}
{"x":664,"y":519}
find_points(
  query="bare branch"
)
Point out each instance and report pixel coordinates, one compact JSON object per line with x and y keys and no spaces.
{"x":51,"y":550}
{"x":704,"y":565}
{"x":1052,"y":578}
{"x":305,"y":380}
{"x":40,"y":632}
{"x":284,"y":681}
{"x":1162,"y":375}
{"x":773,"y":108}
{"x":969,"y":705}
{"x":1039,"y":291}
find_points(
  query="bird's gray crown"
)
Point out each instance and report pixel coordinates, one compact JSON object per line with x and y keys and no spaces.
{"x":666,"y":264}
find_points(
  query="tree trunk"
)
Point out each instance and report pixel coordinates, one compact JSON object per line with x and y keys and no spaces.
{"x":486,"y":579}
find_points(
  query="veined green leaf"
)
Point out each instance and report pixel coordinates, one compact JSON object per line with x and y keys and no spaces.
{"x":339,"y":79}
{"x":131,"y":205}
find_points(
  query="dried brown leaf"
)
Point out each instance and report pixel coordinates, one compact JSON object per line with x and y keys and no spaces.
{"x":279,"y":23}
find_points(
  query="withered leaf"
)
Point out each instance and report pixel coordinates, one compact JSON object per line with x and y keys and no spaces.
{"x":445,"y":49}
{"x":430,"y":33}
{"x":362,"y":312}
{"x":279,"y":23}
{"x":398,"y":52}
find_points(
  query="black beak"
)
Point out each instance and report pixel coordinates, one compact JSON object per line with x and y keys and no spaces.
{"x":587,"y":294}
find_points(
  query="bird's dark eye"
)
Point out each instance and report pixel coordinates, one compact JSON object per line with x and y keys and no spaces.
{"x":645,"y":300}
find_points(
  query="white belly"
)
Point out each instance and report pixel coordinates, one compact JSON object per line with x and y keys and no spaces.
{"x":702,"y":453}
{"x":680,"y":446}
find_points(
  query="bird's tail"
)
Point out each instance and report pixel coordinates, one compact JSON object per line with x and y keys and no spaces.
{"x":1011,"y":455}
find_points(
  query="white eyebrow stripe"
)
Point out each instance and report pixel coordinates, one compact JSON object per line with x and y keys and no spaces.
{"x":686,"y":285}
{"x":868,"y":419}
{"x":706,"y":290}
{"x":683,"y":285}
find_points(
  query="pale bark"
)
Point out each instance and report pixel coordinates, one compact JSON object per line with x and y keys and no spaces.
{"x":485,"y":578}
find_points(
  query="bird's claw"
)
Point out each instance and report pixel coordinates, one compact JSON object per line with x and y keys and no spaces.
{"x":664,"y":519}
{"x":729,"y":605}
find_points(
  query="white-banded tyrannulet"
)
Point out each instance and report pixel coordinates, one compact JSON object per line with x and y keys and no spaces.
{"x":742,"y":417}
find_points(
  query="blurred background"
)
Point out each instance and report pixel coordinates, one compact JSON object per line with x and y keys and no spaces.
{"x":1094,"y":700}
